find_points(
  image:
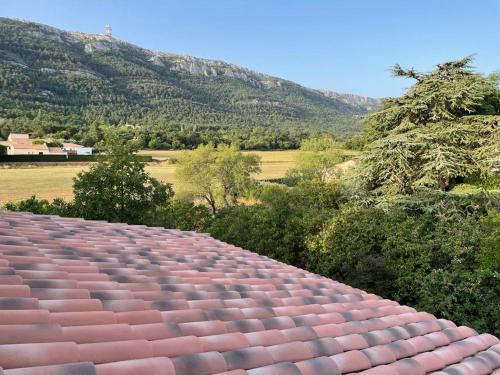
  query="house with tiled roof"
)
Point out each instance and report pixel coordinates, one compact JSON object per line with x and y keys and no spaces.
{"x":88,"y":297}
{"x":22,"y":144}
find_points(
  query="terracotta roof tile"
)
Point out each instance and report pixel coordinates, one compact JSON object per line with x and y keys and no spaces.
{"x":233,"y":372}
{"x":225,"y":342}
{"x":97,"y":333}
{"x":88,"y":297}
{"x":71,"y":305}
{"x":80,"y":368}
{"x":291,"y":351}
{"x":248,"y":358}
{"x":113,"y":351}
{"x":300,"y":334}
{"x":281,"y":322}
{"x":30,"y":333}
{"x":176,"y":346}
{"x":83,"y":318}
{"x":24,"y":316}
{"x":200,"y":363}
{"x":38,"y":354}
{"x":155,"y":331}
{"x":429,"y":361}
{"x":408,"y":366}
{"x":351,"y":361}
{"x":14,"y":290}
{"x":150,"y":366}
{"x":284,"y":368}
{"x":245,"y":325}
{"x":318,"y":366}
{"x":18,"y":303}
{"x":379,"y":355}
{"x":266,"y":338}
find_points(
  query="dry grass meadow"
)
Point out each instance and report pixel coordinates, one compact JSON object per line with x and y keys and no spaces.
{"x":51,"y":181}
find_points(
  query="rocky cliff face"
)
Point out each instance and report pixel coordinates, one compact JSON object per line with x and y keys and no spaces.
{"x":175,"y":62}
{"x":364,"y":102}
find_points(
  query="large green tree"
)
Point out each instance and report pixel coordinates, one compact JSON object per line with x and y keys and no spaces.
{"x":317,"y":159}
{"x":442,"y":130}
{"x":217,"y":175}
{"x":117,"y":188}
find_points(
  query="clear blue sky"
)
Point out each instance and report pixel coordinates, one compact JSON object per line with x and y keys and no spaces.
{"x":346,"y":46}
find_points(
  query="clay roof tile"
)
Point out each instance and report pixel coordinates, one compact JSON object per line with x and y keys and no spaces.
{"x":88,"y":297}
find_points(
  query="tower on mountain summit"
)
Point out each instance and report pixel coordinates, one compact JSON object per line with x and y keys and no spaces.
{"x":108,"y":31}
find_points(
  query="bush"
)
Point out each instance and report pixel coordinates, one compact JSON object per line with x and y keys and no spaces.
{"x":41,"y":206}
{"x":279,"y":224}
{"x":181,"y":214}
{"x":435,"y":253}
{"x":351,"y":249}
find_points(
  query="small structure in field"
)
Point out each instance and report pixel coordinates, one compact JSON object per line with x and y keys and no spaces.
{"x":74,"y":148}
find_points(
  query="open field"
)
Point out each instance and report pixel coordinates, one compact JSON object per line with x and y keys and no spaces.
{"x":48,"y":182}
{"x":51,"y":181}
{"x":274,"y":163}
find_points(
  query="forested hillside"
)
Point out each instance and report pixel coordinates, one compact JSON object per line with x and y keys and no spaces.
{"x":52,"y":81}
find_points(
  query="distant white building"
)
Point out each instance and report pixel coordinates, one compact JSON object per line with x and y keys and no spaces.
{"x":74,"y":148}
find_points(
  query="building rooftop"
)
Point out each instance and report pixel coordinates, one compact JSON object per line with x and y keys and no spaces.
{"x":86,"y":297}
{"x":71,"y":145}
{"x":28,"y":144}
{"x":56,"y":150}
{"x":19,"y":136}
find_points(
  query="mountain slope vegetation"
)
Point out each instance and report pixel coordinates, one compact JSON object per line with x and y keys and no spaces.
{"x":51,"y":79}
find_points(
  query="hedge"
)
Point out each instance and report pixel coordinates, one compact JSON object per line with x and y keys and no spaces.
{"x":60,"y":158}
{"x":32,"y":158}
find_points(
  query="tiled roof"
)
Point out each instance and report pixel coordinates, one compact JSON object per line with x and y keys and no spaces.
{"x":19,"y":136}
{"x":85,"y":297}
{"x":71,"y":145}
{"x":27,"y":144}
{"x":56,"y":150}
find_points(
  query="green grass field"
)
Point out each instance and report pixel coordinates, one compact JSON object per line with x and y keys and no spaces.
{"x":48,"y":182}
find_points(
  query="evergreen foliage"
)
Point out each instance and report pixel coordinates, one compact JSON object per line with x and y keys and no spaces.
{"x":442,"y":130}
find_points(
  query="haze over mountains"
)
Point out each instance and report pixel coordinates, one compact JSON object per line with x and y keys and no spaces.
{"x":73,"y":76}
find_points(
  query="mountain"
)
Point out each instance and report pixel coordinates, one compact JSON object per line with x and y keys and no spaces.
{"x":364,"y":103}
{"x":77,"y":78}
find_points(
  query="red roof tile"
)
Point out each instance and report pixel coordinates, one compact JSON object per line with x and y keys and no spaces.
{"x":113,"y":351}
{"x":85,"y":297}
{"x":150,"y":366}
